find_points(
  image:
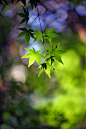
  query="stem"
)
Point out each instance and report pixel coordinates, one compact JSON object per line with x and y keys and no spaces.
{"x":39,"y":47}
{"x":39,"y":19}
{"x":41,"y":29}
{"x":33,"y":20}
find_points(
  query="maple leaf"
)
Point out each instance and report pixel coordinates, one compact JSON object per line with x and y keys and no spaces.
{"x":38,"y":35}
{"x":26,"y":33}
{"x":52,"y":54}
{"x":45,"y":67}
{"x":24,"y":15}
{"x":33,"y":55}
{"x":48,"y":34}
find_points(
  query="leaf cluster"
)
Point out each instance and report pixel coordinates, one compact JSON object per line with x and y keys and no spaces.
{"x":26,"y":33}
{"x":49,"y":34}
{"x":34,"y":55}
{"x":50,"y":55}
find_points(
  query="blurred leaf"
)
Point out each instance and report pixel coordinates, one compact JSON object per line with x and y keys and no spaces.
{"x":1,"y":14}
{"x":21,"y":14}
{"x":47,"y":70}
{"x":21,"y":35}
{"x":50,"y":60}
{"x":23,"y":20}
{"x":22,"y":29}
{"x":53,"y":35}
{"x":24,"y":10}
{"x":60,"y":51}
{"x":51,"y":30}
{"x":3,"y":126}
{"x":25,"y":15}
{"x":38,"y":35}
{"x":27,"y":38}
{"x":58,"y":58}
{"x":52,"y":54}
{"x":18,"y":112}
{"x":41,"y":70}
{"x":40,"y":54}
{"x":34,"y":3}
{"x":6,"y":116}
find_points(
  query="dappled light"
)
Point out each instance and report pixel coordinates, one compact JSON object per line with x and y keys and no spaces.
{"x":18,"y":73}
{"x":82,"y":35}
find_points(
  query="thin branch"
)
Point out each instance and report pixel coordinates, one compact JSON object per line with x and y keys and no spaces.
{"x":39,"y":19}
{"x":41,"y":29}
{"x":33,"y":21}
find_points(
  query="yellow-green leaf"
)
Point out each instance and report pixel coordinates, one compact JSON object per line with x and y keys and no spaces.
{"x":52,"y":29}
{"x":27,"y":55}
{"x":41,"y":70}
{"x":38,"y":60}
{"x":53,"y":35}
{"x":31,"y":60}
{"x":30,"y":50}
{"x":40,"y":55}
{"x":48,"y":72}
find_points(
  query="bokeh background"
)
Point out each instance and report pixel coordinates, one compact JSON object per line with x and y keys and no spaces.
{"x":31,"y":102}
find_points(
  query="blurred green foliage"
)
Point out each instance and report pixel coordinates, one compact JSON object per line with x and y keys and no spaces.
{"x":59,"y":102}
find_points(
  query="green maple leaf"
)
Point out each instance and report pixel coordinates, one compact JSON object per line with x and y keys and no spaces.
{"x":23,"y":20}
{"x":52,"y":54}
{"x":22,"y":29}
{"x":41,"y":70}
{"x":50,"y":60}
{"x":49,"y":34}
{"x":27,"y":38}
{"x":21,"y":14}
{"x":24,"y":15}
{"x":21,"y":34}
{"x":26,"y":33}
{"x":58,"y":58}
{"x":45,"y":67}
{"x":60,"y":51}
{"x":34,"y":56}
{"x":38,"y":35}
